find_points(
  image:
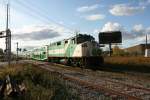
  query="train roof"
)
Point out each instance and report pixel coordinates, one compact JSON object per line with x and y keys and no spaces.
{"x":78,"y":35}
{"x":83,"y":36}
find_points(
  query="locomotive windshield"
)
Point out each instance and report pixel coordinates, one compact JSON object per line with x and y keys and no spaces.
{"x":83,"y":38}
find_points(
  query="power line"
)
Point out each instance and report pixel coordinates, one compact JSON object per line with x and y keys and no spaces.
{"x":45,"y":12}
{"x":40,"y":14}
{"x":3,"y":8}
{"x":35,"y":16}
{"x":31,"y":13}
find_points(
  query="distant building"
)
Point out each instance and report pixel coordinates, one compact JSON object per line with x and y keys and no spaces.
{"x":147,"y":53}
{"x":137,"y":50}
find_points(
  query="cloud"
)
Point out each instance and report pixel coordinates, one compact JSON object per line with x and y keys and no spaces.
{"x":38,"y":32}
{"x":94,"y":17}
{"x":114,"y":26}
{"x":140,"y":32}
{"x":31,"y":36}
{"x":125,"y":10}
{"x":38,"y":35}
{"x":147,"y":30}
{"x":2,"y":17}
{"x":110,"y":26}
{"x":144,"y":3}
{"x":90,"y":17}
{"x":61,"y":22}
{"x":138,"y":29}
{"x":29,"y":47}
{"x":87,"y":8}
{"x":137,"y":32}
{"x":135,"y":36}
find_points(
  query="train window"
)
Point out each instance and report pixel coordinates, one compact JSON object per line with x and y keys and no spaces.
{"x":66,"y":42}
{"x":84,"y":45}
{"x":58,"y":43}
{"x":53,"y":44}
{"x":44,"y":52}
{"x":73,"y":41}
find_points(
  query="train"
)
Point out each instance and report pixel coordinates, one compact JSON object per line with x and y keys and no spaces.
{"x":80,"y":50}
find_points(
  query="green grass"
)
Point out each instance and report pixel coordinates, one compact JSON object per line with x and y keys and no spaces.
{"x":40,"y":84}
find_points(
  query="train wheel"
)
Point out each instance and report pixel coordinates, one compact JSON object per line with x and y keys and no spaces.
{"x":69,"y":62}
{"x":78,"y":64}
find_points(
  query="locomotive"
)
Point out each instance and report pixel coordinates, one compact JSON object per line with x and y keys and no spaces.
{"x":80,"y":50}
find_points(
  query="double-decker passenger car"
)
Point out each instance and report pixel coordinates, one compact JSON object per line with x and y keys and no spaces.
{"x":39,"y":53}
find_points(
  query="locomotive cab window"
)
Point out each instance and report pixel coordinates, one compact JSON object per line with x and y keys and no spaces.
{"x":84,"y":45}
{"x":66,"y":42}
{"x":58,"y":43}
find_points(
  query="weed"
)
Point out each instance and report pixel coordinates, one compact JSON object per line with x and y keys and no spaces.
{"x":40,"y":84}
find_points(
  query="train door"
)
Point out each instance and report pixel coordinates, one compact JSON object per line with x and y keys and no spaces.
{"x":72,"y":47}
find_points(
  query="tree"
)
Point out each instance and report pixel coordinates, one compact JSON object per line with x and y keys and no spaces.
{"x":87,"y":37}
{"x":97,"y":52}
{"x":118,"y":52}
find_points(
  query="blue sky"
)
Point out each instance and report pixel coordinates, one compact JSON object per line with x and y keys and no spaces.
{"x":58,"y":19}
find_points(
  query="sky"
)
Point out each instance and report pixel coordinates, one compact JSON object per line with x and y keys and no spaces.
{"x":39,"y":22}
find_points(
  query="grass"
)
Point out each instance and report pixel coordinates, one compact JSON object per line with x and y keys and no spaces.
{"x":137,"y":64}
{"x":40,"y":84}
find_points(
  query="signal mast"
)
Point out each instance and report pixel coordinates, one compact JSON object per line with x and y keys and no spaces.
{"x":7,"y":35}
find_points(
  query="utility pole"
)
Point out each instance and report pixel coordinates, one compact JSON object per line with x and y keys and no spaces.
{"x":77,"y":33}
{"x":146,"y":42}
{"x":17,"y":52}
{"x":110,"y":50}
{"x":8,"y":38}
{"x":7,"y":35}
{"x":146,"y":49}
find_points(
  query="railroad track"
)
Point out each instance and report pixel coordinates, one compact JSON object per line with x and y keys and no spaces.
{"x":114,"y":89}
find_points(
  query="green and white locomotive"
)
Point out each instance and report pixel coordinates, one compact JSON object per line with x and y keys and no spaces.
{"x":80,"y":50}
